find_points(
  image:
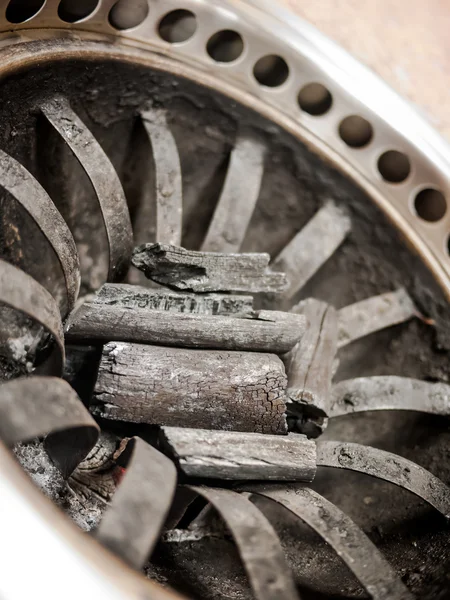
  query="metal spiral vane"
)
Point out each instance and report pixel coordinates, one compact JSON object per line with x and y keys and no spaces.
{"x":253,"y":387}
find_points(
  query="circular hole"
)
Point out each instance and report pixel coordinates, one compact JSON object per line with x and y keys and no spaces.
{"x":315,"y":99}
{"x":178,"y":26}
{"x":394,"y":166}
{"x":430,"y":205}
{"x":271,"y":70}
{"x":127,"y":14}
{"x":355,"y":131}
{"x":225,"y":46}
{"x":19,"y":11}
{"x":72,"y":11}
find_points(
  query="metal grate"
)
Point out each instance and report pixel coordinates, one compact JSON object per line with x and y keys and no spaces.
{"x":269,"y":308}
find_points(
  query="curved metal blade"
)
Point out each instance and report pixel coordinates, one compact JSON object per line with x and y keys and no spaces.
{"x":47,"y":406}
{"x":104,"y":179}
{"x":347,"y":539}
{"x":132,"y":524}
{"x":27,"y":191}
{"x":387,"y":466}
{"x":257,"y":542}
{"x":169,"y":198}
{"x":21,"y":292}
{"x":239,"y":195}
{"x":389,"y":393}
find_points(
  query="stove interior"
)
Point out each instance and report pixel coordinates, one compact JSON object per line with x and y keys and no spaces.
{"x":196,"y":554}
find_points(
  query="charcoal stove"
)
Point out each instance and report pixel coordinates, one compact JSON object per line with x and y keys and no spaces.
{"x":224,"y":286}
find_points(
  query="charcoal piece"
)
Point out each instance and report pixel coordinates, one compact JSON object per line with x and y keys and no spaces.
{"x":310,"y":367}
{"x":134,"y":296}
{"x":195,"y":271}
{"x":80,"y":369}
{"x":234,"y":455}
{"x":241,"y":391}
{"x":259,"y":331}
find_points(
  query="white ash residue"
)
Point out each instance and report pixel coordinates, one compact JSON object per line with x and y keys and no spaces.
{"x":85,"y":512}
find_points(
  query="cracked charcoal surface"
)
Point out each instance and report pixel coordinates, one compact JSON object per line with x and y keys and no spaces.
{"x":196,"y":388}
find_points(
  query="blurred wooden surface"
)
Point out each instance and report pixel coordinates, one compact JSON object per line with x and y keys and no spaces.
{"x":407,"y":42}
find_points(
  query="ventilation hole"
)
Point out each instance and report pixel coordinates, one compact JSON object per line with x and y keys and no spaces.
{"x":448,"y":245}
{"x":19,"y":11}
{"x":72,"y":11}
{"x":355,"y":131}
{"x":394,"y":166}
{"x":225,"y":46}
{"x":430,"y":205}
{"x":315,"y":99}
{"x":127,"y":14}
{"x":271,"y":70}
{"x":178,"y":26}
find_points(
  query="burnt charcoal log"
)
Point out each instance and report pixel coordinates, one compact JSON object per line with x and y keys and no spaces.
{"x":134,"y":296}
{"x":259,"y":331}
{"x":236,"y":456}
{"x":194,"y":271}
{"x":310,"y":367}
{"x":239,"y":391}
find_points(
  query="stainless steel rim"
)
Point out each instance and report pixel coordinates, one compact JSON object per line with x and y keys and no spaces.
{"x":305,"y":57}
